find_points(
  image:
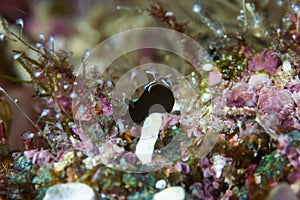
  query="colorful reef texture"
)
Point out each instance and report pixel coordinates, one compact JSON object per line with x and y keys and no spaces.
{"x":241,"y":129}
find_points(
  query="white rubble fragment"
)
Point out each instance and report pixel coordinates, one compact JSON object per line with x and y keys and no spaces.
{"x":149,"y":135}
{"x":206,"y":97}
{"x":208,"y":67}
{"x":70,"y":191}
{"x":257,"y":178}
{"x":174,"y":193}
{"x":214,"y":77}
{"x":258,"y":80}
{"x":161,"y":184}
{"x":286,"y":66}
{"x":67,"y":158}
{"x":219,"y":162}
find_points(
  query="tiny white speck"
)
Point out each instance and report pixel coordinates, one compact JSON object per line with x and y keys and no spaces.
{"x":17,"y":55}
{"x":51,"y":38}
{"x":100,"y":81}
{"x":42,"y":36}
{"x":286,"y":66}
{"x":81,"y":109}
{"x":280,"y":2}
{"x":45,"y":112}
{"x":169,"y":13}
{"x":278,"y":31}
{"x":38,"y":45}
{"x":1,"y":37}
{"x":87,"y":54}
{"x":109,"y":83}
{"x":66,"y":86}
{"x":219,"y":31}
{"x":296,"y":8}
{"x":240,"y":18}
{"x":37,"y":74}
{"x":196,"y":8}
{"x":256,"y":20}
{"x":266,"y":32}
{"x":73,"y":95}
{"x":20,"y":22}
{"x":58,"y":125}
{"x":71,"y":125}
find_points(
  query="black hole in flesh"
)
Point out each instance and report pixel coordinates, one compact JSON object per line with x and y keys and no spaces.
{"x":155,"y":97}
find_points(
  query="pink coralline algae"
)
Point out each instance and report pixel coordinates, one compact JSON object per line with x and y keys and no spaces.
{"x":246,"y":52}
{"x":182,"y":167}
{"x":293,"y":155}
{"x":65,"y":104}
{"x":85,"y":145}
{"x":170,"y":120}
{"x":266,"y":61}
{"x":106,"y":106}
{"x":288,"y":145}
{"x":257,"y":81}
{"x":276,"y":103}
{"x":214,"y":78}
{"x":239,"y":95}
{"x":39,"y":157}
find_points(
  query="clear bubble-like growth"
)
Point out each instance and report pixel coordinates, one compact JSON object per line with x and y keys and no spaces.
{"x":141,"y":100}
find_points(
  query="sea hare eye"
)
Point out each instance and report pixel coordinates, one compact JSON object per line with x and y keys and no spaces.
{"x":156,"y":98}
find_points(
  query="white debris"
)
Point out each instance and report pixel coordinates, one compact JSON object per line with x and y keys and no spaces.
{"x":174,"y":193}
{"x":219,"y":162}
{"x":51,"y":38}
{"x":91,"y":162}
{"x":208,"y":67}
{"x":109,"y":83}
{"x":161,"y":184}
{"x":286,"y":66}
{"x":149,"y":135}
{"x":37,"y":74}
{"x":169,"y":13}
{"x":257,"y":179}
{"x":17,"y":55}
{"x":70,"y":191}
{"x":67,"y":159}
{"x":38,"y":45}
{"x":42,"y":37}
{"x":20,"y":22}
{"x":206,"y":97}
{"x":1,"y":37}
{"x":258,"y":80}
{"x":197,"y":8}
